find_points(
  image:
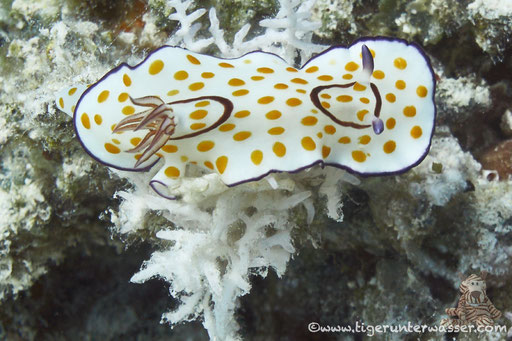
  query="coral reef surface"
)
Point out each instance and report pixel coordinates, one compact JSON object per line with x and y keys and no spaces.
{"x":88,"y":252}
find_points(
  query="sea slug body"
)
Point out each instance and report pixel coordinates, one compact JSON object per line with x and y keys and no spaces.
{"x":368,"y":108}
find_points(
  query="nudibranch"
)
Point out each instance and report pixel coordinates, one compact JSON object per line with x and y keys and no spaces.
{"x":367,"y":108}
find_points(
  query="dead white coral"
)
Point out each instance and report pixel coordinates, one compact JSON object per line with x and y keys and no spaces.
{"x":209,"y":265}
{"x":287,"y":34}
{"x":186,"y":34}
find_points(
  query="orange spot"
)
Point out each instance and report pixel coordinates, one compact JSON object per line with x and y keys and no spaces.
{"x":410,"y":111}
{"x":344,"y":140}
{"x":265,"y":70}
{"x":202,"y":104}
{"x":378,"y":74}
{"x":400,"y":84}
{"x":196,"y":86}
{"x":172,"y":172}
{"x":222,"y":163}
{"x":326,"y":151}
{"x":291,"y":69}
{"x":242,"y":114}
{"x":301,"y":91}
{"x":112,"y":149}
{"x":113,"y":126}
{"x":156,"y":67}
{"x":116,"y":141}
{"x":173,"y":92}
{"x":326,"y":105}
{"x":61,"y":102}
{"x":359,"y":87}
{"x":207,"y":75}
{"x":136,"y":140}
{"x":241,"y":92}
{"x":351,"y":66}
{"x":243,"y":135}
{"x":390,"y":123}
{"x":391,"y":98}
{"x":276,"y":131}
{"x":365,"y":139}
{"x":227,"y":127}
{"x":266,"y":99}
{"x":309,"y":121}
{"x":344,"y":98}
{"x":85,"y":121}
{"x":181,"y":75}
{"x":198,"y":114}
{"x":184,"y":158}
{"x":257,"y":78}
{"x":128,"y":110}
{"x":169,"y":148}
{"x":98,"y":119}
{"x":293,"y":102}
{"x":236,"y":82}
{"x":193,"y":59}
{"x":421,"y":91}
{"x":361,"y":113}
{"x":308,"y":143}
{"x":73,"y":108}
{"x":364,"y":100}
{"x":299,"y":81}
{"x":279,"y":149}
{"x":281,"y":86}
{"x":127,"y":80}
{"x":123,"y":96}
{"x":320,"y":135}
{"x":205,"y":146}
{"x":208,"y":164}
{"x":325,"y":78}
{"x":197,"y":126}
{"x":329,"y":129}
{"x":359,"y":156}
{"x":256,"y":157}
{"x":103,"y":96}
{"x":71,"y":91}
{"x":273,"y":115}
{"x":326,"y":96}
{"x":347,"y":76}
{"x":416,"y":132}
{"x":389,"y":147}
{"x":226,"y":65}
{"x":312,"y":69}
{"x":400,"y":63}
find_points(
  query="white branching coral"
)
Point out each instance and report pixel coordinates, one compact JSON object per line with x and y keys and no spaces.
{"x":213,"y":254}
{"x":218,"y":236}
{"x":287,"y":34}
{"x":186,"y":35}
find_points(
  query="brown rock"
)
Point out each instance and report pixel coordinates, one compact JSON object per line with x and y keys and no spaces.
{"x":499,"y":158}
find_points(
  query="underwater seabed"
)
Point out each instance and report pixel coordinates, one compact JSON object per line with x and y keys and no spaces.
{"x":88,"y":252}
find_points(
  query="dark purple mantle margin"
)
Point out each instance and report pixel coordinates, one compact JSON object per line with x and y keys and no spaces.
{"x":319,"y":162}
